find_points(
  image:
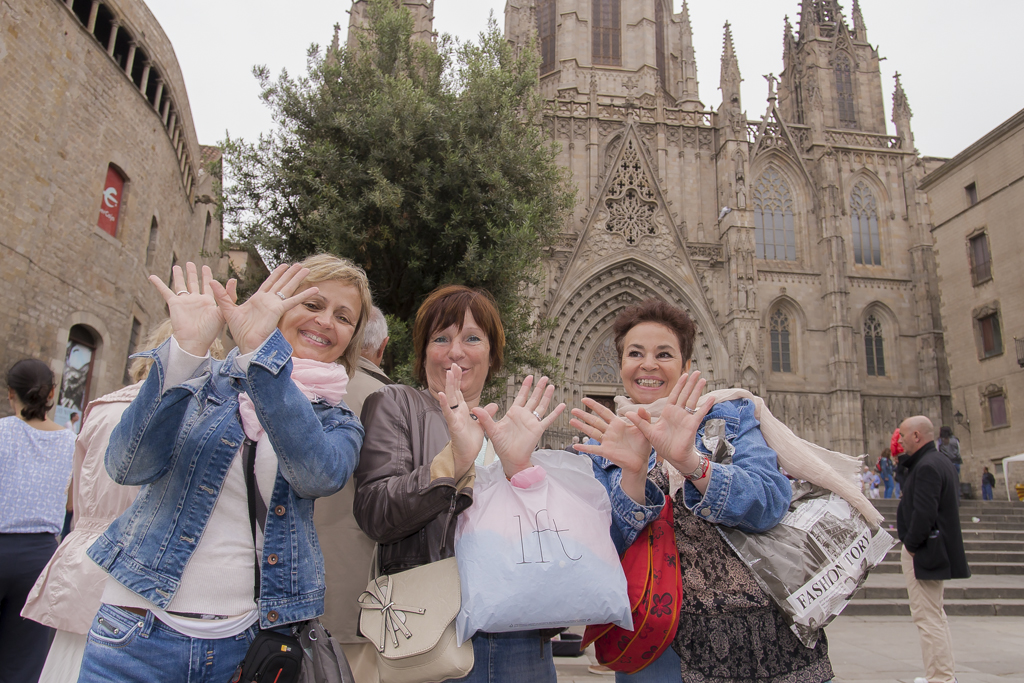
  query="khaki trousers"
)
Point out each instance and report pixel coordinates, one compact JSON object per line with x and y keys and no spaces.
{"x":930,"y":619}
{"x":362,"y":658}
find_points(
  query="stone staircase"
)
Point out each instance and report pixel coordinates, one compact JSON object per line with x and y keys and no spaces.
{"x":995,"y":552}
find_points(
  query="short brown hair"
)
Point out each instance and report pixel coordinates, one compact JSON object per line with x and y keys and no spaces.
{"x":447,"y":306}
{"x":656,"y":311}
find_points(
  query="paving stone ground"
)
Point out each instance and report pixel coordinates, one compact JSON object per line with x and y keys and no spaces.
{"x":885,"y":649}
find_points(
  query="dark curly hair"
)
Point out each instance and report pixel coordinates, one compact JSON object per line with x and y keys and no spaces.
{"x":32,"y":381}
{"x":656,"y":311}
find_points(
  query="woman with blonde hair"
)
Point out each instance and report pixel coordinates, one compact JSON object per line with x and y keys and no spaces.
{"x":191,"y":581}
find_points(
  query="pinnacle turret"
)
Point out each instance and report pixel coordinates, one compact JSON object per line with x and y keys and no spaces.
{"x":688,"y":94}
{"x":901,"y":114}
{"x":858,"y":21}
{"x":730,"y":79}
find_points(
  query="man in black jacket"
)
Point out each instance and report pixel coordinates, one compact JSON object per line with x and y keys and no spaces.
{"x":928,"y":523}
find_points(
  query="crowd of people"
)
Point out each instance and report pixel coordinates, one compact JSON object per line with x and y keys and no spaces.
{"x":224,"y":496}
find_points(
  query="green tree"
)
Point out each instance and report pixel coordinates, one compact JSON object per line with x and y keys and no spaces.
{"x":425,"y":164}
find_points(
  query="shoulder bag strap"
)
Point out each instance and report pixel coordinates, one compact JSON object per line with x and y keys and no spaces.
{"x":257,"y":508}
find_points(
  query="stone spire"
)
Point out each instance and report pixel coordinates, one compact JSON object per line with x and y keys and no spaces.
{"x":688,"y":87}
{"x":901,"y":114}
{"x":730,"y":79}
{"x":858,"y":22}
{"x":814,"y":13}
{"x":787,"y":39}
{"x":422,"y":12}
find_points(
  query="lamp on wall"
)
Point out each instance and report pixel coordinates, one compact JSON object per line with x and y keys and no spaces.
{"x":1020,"y":351}
{"x":962,"y":421}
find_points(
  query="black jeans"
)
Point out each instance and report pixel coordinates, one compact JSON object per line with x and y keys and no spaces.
{"x":23,"y":642}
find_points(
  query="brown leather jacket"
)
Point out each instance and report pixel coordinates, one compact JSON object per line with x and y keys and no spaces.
{"x":406,"y":497}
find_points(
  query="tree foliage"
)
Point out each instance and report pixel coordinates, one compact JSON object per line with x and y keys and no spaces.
{"x":424,"y":163}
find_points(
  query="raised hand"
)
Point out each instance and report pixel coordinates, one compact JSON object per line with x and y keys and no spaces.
{"x":673,"y":436}
{"x":255,"y":320}
{"x":621,"y":442}
{"x":465,"y":432}
{"x":195,"y":316}
{"x":516,"y":435}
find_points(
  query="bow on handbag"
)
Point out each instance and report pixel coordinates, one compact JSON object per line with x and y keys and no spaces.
{"x":393,"y":616}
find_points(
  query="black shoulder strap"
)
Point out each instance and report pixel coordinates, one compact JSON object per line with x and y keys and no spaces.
{"x":257,"y":508}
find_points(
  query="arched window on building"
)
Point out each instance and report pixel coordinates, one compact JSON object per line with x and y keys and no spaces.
{"x":77,"y":376}
{"x":546,"y":34}
{"x":867,"y":247}
{"x":606,"y":33}
{"x":874,"y":352}
{"x":604,"y":366}
{"x":773,"y":217}
{"x":779,"y":324}
{"x":844,"y":91}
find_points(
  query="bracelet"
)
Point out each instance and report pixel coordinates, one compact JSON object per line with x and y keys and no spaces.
{"x":703,"y":465}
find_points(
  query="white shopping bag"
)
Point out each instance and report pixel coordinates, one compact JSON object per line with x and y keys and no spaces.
{"x":539,"y":556}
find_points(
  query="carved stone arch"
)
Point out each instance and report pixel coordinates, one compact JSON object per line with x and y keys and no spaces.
{"x":585,"y":317}
{"x":611,"y":151}
{"x":797,"y":329}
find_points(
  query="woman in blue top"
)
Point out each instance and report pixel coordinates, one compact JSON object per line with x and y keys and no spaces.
{"x":35,"y":468}
{"x":180,"y":603}
{"x":661,"y":443}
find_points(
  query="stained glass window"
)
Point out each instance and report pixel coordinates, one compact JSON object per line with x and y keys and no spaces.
{"x":779,"y":324}
{"x":844,"y":91}
{"x":606,"y":33}
{"x":546,"y":34}
{"x":864,"y":216}
{"x":873,"y":349}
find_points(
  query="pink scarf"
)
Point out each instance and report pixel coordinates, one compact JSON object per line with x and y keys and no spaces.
{"x":315,"y":379}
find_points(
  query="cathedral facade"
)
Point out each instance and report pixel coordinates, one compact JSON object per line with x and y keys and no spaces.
{"x":798,"y":240}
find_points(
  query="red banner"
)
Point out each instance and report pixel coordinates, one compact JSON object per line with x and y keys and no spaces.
{"x":110,"y":204}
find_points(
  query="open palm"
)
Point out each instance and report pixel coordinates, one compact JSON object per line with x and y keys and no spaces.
{"x":516,"y":435}
{"x":674,"y":434}
{"x":195,"y":316}
{"x":621,"y":442}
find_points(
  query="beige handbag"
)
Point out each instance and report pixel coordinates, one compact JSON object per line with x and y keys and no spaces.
{"x":410,"y":618}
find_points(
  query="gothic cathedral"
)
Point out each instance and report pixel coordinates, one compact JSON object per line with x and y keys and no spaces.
{"x":798,"y":241}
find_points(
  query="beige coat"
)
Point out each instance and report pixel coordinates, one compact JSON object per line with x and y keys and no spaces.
{"x":67,"y":593}
{"x":347,"y":550}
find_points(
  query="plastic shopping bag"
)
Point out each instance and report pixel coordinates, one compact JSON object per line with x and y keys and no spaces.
{"x":814,"y":560}
{"x":536,"y":553}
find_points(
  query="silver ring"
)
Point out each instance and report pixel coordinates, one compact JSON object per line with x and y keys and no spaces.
{"x":691,"y":411}
{"x":283,"y":297}
{"x":537,"y":415}
{"x":184,"y":291}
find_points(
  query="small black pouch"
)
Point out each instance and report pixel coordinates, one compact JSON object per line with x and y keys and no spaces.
{"x":272,"y":658}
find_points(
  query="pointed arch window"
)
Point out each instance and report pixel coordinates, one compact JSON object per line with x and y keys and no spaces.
{"x":604,"y":367}
{"x":773,"y":217}
{"x":874,"y":352}
{"x":779,"y":325}
{"x":844,"y":91}
{"x":546,"y":34}
{"x":606,"y":32}
{"x":867,"y":249}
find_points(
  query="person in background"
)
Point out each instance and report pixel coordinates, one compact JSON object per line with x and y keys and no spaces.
{"x":347,"y":550}
{"x":73,"y":423}
{"x":885,"y":470}
{"x":900,"y":457}
{"x":949,"y":446}
{"x":422,"y":447}
{"x":68,"y":591}
{"x":987,"y":482}
{"x":35,"y":468}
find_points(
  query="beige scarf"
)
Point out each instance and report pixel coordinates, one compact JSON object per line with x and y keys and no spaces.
{"x":800,"y":459}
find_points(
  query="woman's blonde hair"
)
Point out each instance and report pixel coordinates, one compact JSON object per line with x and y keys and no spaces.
{"x":325,"y":267}
{"x":139,"y":368}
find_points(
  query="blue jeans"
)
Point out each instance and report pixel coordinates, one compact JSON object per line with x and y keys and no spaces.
{"x":665,"y":669}
{"x":511,"y":658}
{"x":126,"y":647}
{"x":986,"y":492}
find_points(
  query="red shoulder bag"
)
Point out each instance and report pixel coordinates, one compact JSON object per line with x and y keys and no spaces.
{"x":655,"y":588}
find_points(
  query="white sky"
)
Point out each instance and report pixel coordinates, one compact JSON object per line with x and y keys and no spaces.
{"x":959,"y":61}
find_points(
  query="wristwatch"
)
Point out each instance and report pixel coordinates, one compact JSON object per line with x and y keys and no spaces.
{"x":703,"y":465}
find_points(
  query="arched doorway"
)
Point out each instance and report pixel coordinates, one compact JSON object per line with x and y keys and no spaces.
{"x":76,"y":379}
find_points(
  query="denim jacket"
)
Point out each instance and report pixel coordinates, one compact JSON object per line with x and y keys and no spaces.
{"x":751,"y":494}
{"x":179,"y":444}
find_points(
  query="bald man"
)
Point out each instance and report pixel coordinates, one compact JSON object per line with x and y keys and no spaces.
{"x":928,"y":523}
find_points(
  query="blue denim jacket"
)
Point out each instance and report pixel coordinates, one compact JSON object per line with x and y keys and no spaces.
{"x":180,"y":444}
{"x":750,"y":494}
